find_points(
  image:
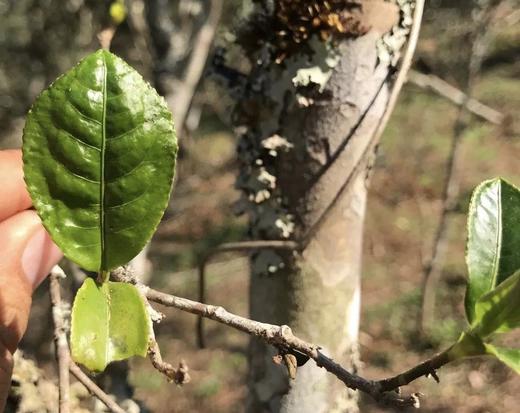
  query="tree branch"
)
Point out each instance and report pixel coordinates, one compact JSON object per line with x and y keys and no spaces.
{"x":285,"y":341}
{"x":94,"y":389}
{"x":227,"y":247}
{"x":444,"y":89}
{"x":60,"y":339}
{"x":179,"y":375}
{"x":181,"y":100}
{"x":426,"y":368}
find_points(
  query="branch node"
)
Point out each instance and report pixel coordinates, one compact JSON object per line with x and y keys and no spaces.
{"x":155,"y":315}
{"x":124,"y":274}
{"x":182,"y":375}
{"x":434,"y":375}
{"x":285,"y":332}
{"x":178,"y":375}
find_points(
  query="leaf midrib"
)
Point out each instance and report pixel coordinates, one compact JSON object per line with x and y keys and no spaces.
{"x":498,"y":241}
{"x":102,"y":166}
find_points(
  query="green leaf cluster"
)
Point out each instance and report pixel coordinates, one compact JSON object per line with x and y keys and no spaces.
{"x":99,"y":152}
{"x":492,"y":300}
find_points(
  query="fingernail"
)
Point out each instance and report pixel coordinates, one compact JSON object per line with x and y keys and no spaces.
{"x":39,"y":256}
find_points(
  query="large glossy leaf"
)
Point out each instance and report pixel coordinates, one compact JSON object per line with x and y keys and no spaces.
{"x":109,"y":323}
{"x":509,"y":356}
{"x":499,"y":310}
{"x":493,"y":248}
{"x":99,"y":153}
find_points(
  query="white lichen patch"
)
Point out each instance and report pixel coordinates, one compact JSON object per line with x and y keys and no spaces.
{"x":260,"y":196}
{"x":297,"y":82}
{"x":390,"y":45}
{"x":286,"y":226}
{"x":319,"y":67}
{"x":276,"y":143}
{"x":266,"y":178}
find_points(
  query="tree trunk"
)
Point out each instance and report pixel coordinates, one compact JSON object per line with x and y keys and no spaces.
{"x":318,"y":293}
{"x":308,"y":117}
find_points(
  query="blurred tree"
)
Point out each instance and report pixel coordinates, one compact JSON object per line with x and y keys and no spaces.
{"x":39,"y":39}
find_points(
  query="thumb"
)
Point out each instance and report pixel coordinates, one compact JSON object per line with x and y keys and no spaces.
{"x":27,"y":256}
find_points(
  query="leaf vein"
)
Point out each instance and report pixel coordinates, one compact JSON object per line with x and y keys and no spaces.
{"x":117,"y":178}
{"x":75,"y":138}
{"x":83,"y":115}
{"x":126,"y":133}
{"x":69,"y":171}
{"x":111,"y":207}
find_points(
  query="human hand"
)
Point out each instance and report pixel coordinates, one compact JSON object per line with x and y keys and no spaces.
{"x":27,"y":254}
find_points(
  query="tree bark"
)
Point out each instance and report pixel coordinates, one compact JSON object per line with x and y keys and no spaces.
{"x":318,"y":293}
{"x":308,"y":124}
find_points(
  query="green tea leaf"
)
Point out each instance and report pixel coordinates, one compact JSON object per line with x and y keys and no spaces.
{"x":493,"y":248}
{"x":109,"y":323}
{"x":99,"y":154}
{"x":499,"y":310}
{"x":509,"y":356}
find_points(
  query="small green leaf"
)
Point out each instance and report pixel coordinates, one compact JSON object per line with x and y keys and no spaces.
{"x":99,"y":154}
{"x":109,"y":323}
{"x":493,"y":248}
{"x":499,"y":310}
{"x":509,"y":356}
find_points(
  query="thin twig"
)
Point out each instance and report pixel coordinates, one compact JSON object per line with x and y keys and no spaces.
{"x":424,"y":369}
{"x":433,"y":269}
{"x":178,"y":375}
{"x":94,"y":389}
{"x":181,"y":101}
{"x":455,"y":95}
{"x":60,"y":339}
{"x":285,"y":341}
{"x":227,"y":247}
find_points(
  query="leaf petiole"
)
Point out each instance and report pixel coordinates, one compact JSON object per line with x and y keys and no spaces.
{"x":468,"y":345}
{"x":102,"y":277}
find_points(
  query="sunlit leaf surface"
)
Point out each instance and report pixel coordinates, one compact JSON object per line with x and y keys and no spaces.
{"x":99,"y":154}
{"x":109,"y":323}
{"x":493,"y":249}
